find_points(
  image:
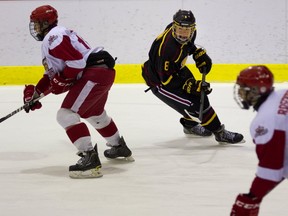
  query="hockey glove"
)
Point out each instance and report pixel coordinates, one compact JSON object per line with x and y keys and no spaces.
{"x":202,"y":60}
{"x":60,"y":85}
{"x":30,"y":94}
{"x":246,"y":205}
{"x":192,"y":86}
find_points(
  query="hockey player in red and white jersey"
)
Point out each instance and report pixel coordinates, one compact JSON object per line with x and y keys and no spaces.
{"x":87,"y":75}
{"x":269,"y":130}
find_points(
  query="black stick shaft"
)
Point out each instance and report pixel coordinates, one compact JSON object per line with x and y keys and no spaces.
{"x":202,"y":97}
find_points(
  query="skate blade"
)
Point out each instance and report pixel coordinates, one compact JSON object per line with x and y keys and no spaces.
{"x":196,"y":136}
{"x":226,"y":143}
{"x":92,"y":173}
{"x":123,"y":159}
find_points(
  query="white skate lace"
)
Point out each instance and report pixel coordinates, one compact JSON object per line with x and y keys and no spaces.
{"x":82,"y":157}
{"x":80,"y":161}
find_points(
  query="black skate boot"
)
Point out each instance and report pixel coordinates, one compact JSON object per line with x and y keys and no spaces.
{"x":88,"y":166}
{"x":224,"y":136}
{"x":120,"y":151}
{"x":193,"y":128}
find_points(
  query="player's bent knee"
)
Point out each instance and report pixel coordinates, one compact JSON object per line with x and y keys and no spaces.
{"x":66,"y":117}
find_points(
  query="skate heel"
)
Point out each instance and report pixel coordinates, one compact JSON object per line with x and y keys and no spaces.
{"x":120,"y":151}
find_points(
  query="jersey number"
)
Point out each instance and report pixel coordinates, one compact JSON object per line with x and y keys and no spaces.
{"x":166,"y":65}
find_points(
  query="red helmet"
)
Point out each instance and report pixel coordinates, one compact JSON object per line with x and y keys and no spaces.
{"x":42,"y":19}
{"x":256,"y":76}
{"x":44,"y":13}
{"x":252,"y":83}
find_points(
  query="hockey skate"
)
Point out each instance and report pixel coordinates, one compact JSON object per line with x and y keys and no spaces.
{"x":227,"y":137}
{"x":197,"y":130}
{"x":120,"y":151}
{"x":88,"y":166}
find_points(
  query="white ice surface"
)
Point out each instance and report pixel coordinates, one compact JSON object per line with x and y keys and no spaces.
{"x":173,"y":175}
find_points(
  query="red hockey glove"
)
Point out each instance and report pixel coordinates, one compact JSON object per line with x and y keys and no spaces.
{"x":60,"y":85}
{"x":192,"y":86}
{"x":246,"y":205}
{"x":29,"y":95}
{"x":202,"y":60}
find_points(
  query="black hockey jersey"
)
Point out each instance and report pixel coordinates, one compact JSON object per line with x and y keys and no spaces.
{"x":167,"y":58}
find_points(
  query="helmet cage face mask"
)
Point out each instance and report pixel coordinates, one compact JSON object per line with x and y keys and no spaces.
{"x":38,"y":29}
{"x":183,"y":34}
{"x":246,"y":96}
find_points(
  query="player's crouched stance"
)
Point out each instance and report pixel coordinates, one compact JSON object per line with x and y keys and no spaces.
{"x":254,"y":87}
{"x":86,"y":75}
{"x":171,"y":81}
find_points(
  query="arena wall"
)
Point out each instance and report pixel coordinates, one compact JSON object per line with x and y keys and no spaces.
{"x":235,"y":34}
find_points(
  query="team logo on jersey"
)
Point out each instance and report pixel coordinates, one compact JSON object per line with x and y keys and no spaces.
{"x":260,"y":131}
{"x":52,"y":38}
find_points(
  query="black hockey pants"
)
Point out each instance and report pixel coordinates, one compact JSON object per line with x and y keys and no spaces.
{"x":182,"y":102}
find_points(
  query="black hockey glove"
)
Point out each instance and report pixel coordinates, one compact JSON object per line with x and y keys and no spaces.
{"x":202,"y":60}
{"x":192,"y":86}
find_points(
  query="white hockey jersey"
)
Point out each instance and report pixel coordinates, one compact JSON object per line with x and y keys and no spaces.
{"x":269,"y":131}
{"x":63,"y":51}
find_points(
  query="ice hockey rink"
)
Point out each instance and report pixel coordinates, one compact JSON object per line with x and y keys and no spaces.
{"x":172,"y":174}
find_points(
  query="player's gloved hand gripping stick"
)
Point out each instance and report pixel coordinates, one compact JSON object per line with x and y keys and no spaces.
{"x":26,"y":105}
{"x":204,"y":64}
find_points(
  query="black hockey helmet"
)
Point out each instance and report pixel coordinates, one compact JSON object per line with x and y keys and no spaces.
{"x":183,"y":26}
{"x":184,"y":18}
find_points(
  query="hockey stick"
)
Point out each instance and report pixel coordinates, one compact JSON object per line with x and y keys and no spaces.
{"x":25,"y":105}
{"x":202,"y":96}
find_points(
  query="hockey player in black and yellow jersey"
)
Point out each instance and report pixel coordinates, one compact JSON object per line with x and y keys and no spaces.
{"x":174,"y":84}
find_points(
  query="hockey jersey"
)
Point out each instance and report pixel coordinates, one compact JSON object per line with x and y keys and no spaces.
{"x":63,"y":52}
{"x":166,"y":59}
{"x":269,"y":130}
